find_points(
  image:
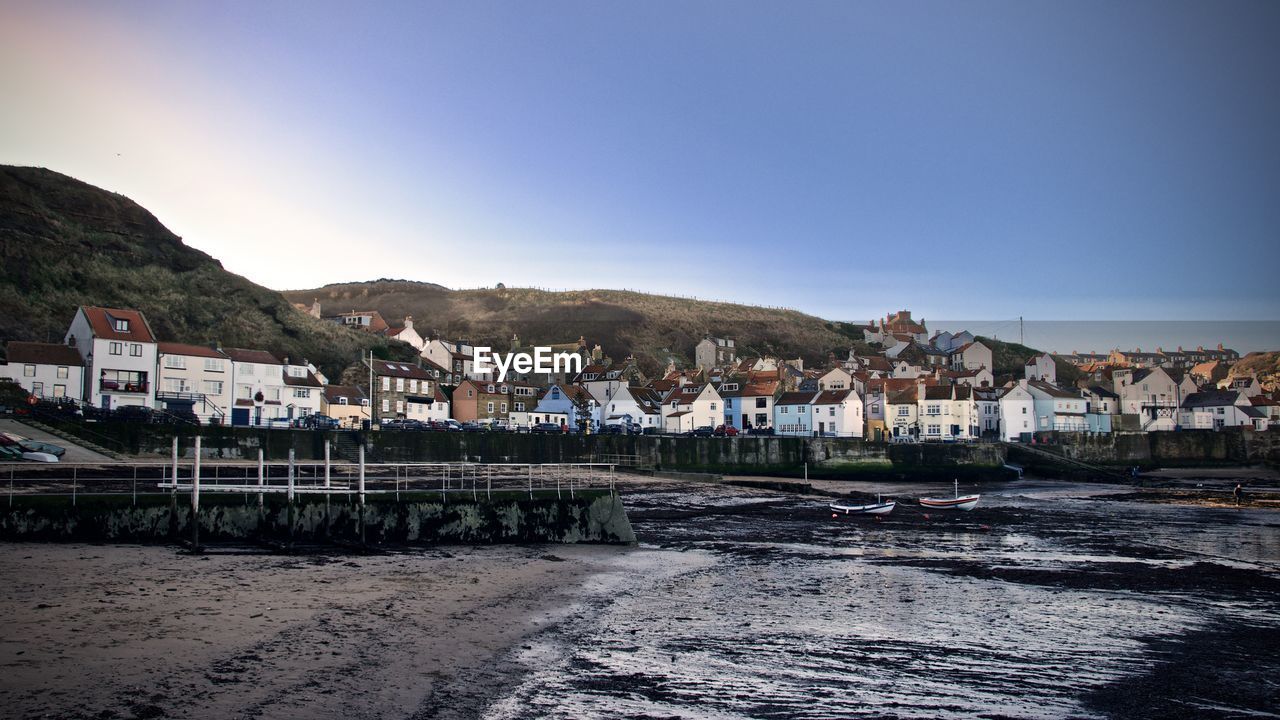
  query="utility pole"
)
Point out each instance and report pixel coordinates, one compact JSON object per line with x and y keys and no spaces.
{"x":1022,"y":338}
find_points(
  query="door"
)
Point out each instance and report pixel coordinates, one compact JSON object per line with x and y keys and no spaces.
{"x":239,"y":416}
{"x":822,"y":426}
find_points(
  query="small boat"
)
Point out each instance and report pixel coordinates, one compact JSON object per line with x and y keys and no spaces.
{"x":876,"y":508}
{"x":968,"y":502}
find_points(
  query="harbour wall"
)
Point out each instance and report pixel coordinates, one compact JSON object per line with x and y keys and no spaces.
{"x":424,"y":518}
{"x":757,"y":455}
{"x":1181,"y":448}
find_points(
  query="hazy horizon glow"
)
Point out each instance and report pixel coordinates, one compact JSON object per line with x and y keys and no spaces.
{"x":994,"y":159}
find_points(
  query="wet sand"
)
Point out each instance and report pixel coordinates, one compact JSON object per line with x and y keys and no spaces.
{"x":131,"y":631}
{"x":1052,"y":599}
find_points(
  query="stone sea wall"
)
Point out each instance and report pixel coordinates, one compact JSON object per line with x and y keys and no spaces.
{"x":416,"y":519}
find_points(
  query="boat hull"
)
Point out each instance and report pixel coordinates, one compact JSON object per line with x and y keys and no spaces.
{"x":968,"y":502}
{"x":873,"y":509}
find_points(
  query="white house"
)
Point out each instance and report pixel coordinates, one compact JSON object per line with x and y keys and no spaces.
{"x":971,"y":356}
{"x":119,"y":353}
{"x":1056,"y":408}
{"x":793,"y":413}
{"x":836,"y":378}
{"x":837,"y":412}
{"x":1041,"y":367}
{"x":1017,"y":413}
{"x":902,"y":411}
{"x":630,"y":405}
{"x":406,"y":333}
{"x":304,"y":393}
{"x":1216,"y":409}
{"x":948,"y":412}
{"x":456,"y":357}
{"x":692,"y":406}
{"x":45,"y":370}
{"x":258,"y":387}
{"x":195,"y":378}
{"x":1154,"y":395}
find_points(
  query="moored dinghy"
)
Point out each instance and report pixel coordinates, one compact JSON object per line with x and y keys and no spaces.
{"x":876,"y":508}
{"x":968,"y":502}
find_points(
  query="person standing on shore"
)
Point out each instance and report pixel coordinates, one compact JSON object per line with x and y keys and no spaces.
{"x":1238,"y":494}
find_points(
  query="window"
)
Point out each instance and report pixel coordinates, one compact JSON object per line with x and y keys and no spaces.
{"x":933,"y":410}
{"x":302,"y":393}
{"x":875,"y":408}
{"x":503,"y":408}
{"x":175,"y":385}
{"x":413,"y":386}
{"x":761,"y":402}
{"x":399,"y":406}
{"x":37,"y":389}
{"x":713,"y":406}
{"x":519,"y":407}
{"x":59,"y":391}
{"x":903,"y":411}
{"x":386,"y":384}
{"x":135,"y":350}
{"x":122,"y":326}
{"x":785,"y":410}
{"x":935,"y":430}
{"x":116,"y":348}
{"x":62,"y":372}
{"x":1024,"y":411}
{"x":274,"y":394}
{"x":399,"y":384}
{"x":831,"y":411}
{"x":490,"y":407}
{"x":213,"y":364}
{"x":211,"y":387}
{"x":244,"y":392}
{"x":28,"y":370}
{"x":246,"y":368}
{"x":175,"y":362}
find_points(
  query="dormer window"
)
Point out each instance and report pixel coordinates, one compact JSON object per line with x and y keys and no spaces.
{"x":122,"y":325}
{"x":490,"y":390}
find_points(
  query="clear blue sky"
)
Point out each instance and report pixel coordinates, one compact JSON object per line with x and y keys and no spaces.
{"x":984,"y":159}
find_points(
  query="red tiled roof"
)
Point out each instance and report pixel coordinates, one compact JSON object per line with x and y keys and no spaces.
{"x":43,"y":354}
{"x":261,"y":357}
{"x":400,"y":370}
{"x":172,"y":348}
{"x":102,"y":321}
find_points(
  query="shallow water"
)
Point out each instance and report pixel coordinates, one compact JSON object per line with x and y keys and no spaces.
{"x":744,"y":603}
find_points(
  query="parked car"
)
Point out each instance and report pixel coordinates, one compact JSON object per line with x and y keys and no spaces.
{"x":473,"y":426}
{"x":613,"y":430}
{"x":546,"y":428}
{"x":318,"y":422}
{"x":701,"y":431}
{"x":500,"y":426}
{"x":726,"y":431}
{"x":761,"y":431}
{"x":652,"y":431}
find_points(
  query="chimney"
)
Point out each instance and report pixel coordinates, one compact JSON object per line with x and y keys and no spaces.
{"x":408,"y":322}
{"x":1220,"y":348}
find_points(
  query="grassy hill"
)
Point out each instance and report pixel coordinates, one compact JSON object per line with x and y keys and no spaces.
{"x":650,"y":327}
{"x":65,"y":243}
{"x":1010,"y":358}
{"x":1265,"y":365}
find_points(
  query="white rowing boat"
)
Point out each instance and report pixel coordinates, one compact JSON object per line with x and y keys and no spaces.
{"x":876,"y":508}
{"x":968,"y":502}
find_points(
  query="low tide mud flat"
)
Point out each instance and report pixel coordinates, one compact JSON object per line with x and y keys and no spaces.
{"x":1049,"y":600}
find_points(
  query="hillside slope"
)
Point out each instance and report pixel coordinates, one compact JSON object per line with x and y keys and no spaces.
{"x":65,"y":243}
{"x":651,"y":327}
{"x":1265,"y":365}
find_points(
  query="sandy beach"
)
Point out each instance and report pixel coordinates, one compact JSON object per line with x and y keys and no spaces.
{"x":130,"y":631}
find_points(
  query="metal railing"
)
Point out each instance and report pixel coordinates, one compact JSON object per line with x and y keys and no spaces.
{"x":196,"y":476}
